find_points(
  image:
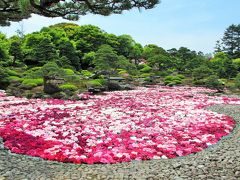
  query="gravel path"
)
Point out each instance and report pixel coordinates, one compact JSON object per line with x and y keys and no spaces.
{"x":220,"y":161}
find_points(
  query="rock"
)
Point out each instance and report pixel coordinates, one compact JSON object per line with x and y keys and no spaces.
{"x":51,"y":84}
{"x":114,"y":86}
{"x":127,"y":87}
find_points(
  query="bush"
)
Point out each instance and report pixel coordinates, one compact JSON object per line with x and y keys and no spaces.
{"x":68,"y":87}
{"x":145,"y":75}
{"x":146,"y":69}
{"x":237,"y":81}
{"x":4,"y":82}
{"x":214,"y":82}
{"x":202,"y":72}
{"x":173,"y":80}
{"x":15,"y":78}
{"x":32,"y":82}
{"x":86,"y":73}
{"x":97,"y":82}
{"x":33,"y":73}
{"x":12,"y":73}
{"x":73,"y":79}
{"x":181,"y":76}
{"x":51,"y":69}
{"x":69,"y":72}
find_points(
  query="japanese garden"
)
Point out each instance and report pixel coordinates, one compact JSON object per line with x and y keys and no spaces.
{"x":78,"y":102}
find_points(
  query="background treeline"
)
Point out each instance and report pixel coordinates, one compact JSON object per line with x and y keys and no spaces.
{"x":84,"y":55}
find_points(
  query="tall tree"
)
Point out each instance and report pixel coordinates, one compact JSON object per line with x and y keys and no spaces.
{"x":230,"y":41}
{"x":67,"y":49}
{"x":15,"y":49}
{"x":106,"y":58}
{"x":4,"y":47}
{"x":15,"y":10}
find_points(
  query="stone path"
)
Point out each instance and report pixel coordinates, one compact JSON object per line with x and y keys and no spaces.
{"x":221,"y":161}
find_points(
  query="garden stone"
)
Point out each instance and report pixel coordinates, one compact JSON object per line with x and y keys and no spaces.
{"x":51,"y":84}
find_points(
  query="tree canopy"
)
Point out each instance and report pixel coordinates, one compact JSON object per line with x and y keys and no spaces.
{"x":16,"y":10}
{"x":230,"y":43}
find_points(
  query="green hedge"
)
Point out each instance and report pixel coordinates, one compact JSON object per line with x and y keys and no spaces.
{"x":173,"y":80}
{"x":15,"y":78}
{"x":32,"y":82}
{"x":69,"y":87}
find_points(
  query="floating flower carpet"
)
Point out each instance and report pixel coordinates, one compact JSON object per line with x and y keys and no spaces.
{"x":143,"y":124}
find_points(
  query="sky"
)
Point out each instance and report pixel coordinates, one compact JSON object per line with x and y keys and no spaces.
{"x":196,"y":24}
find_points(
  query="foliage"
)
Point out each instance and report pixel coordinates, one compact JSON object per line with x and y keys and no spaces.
{"x":3,"y":78}
{"x":173,"y":80}
{"x":214,"y":82}
{"x":106,"y":58}
{"x":86,"y":73}
{"x":37,"y":82}
{"x":230,"y":43}
{"x":96,"y":82}
{"x":202,"y":72}
{"x":51,"y":69}
{"x":87,"y":60}
{"x":15,"y":78}
{"x":67,"y":50}
{"x":124,"y":63}
{"x":145,"y":69}
{"x":13,"y":10}
{"x":68,"y":72}
{"x":33,"y":73}
{"x":68,"y":87}
{"x":15,"y":49}
{"x":223,"y":65}
{"x":237,"y":81}
{"x":12,"y":72}
{"x":236,"y":63}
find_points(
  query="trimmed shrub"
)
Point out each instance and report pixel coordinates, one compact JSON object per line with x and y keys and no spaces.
{"x":202,"y":72}
{"x":32,"y":82}
{"x":146,"y":69}
{"x":12,"y":73}
{"x":173,"y":80}
{"x":4,"y":81}
{"x":33,"y":73}
{"x":86,"y":73}
{"x":69,"y":72}
{"x":181,"y":76}
{"x":96,"y":82}
{"x":15,"y":78}
{"x":237,"y":81}
{"x":214,"y":82}
{"x":68,"y":87}
{"x":145,"y":75}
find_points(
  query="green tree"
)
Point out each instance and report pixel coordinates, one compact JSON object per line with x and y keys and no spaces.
{"x":67,"y":50}
{"x":15,"y":49}
{"x":136,"y":52}
{"x":236,"y":63}
{"x":202,"y":72}
{"x":214,"y":82}
{"x":45,"y":51}
{"x":126,"y":44}
{"x":13,"y":10}
{"x":4,"y":47}
{"x":160,"y":62}
{"x":223,"y":65}
{"x":152,"y":50}
{"x":106,"y":58}
{"x":38,"y":49}
{"x":88,"y":59}
{"x":237,"y":81}
{"x":124,"y":63}
{"x":230,"y":43}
